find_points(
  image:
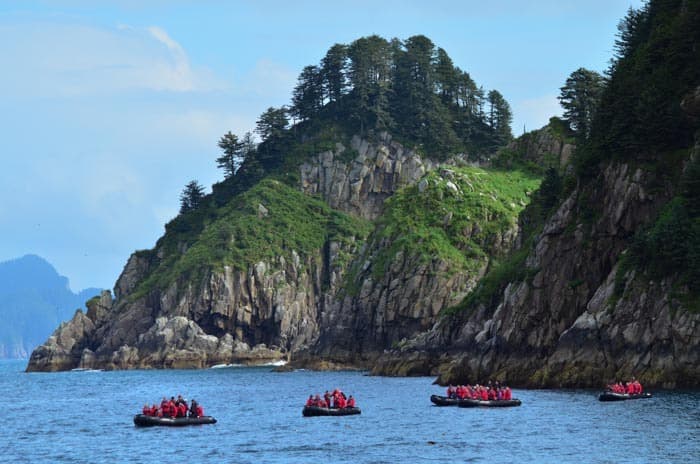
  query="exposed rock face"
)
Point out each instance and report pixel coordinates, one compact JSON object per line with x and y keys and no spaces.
{"x":360,"y":186}
{"x":387,"y":302}
{"x":564,"y":327}
{"x":195,"y":324}
{"x":544,"y":148}
{"x":265,"y":313}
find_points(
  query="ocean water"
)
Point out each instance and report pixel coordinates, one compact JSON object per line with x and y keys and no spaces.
{"x":86,"y":417}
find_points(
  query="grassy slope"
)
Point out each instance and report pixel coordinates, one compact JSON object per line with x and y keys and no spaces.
{"x":237,"y":235}
{"x":416,"y":223}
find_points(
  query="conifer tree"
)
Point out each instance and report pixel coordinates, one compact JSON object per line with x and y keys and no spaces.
{"x":191,"y":196}
{"x":580,"y":97}
{"x":232,"y":157}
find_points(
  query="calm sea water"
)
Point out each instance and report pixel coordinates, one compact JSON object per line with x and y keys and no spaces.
{"x":86,"y":417}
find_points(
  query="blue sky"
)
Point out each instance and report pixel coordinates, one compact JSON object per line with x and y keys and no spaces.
{"x":107,"y":109}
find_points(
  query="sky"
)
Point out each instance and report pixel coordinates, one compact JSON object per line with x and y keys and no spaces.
{"x":107,"y":109}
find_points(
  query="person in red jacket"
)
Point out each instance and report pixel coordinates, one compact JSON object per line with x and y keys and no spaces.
{"x":146,"y":411}
{"x":351,"y":402}
{"x":468,"y":392}
{"x":492,"y":394}
{"x":340,"y":402}
{"x":450,"y":391}
{"x":507,"y":394}
{"x":484,"y":394}
{"x":310,"y":401}
{"x":182,"y":409}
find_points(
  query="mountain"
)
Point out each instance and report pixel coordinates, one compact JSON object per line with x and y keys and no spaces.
{"x":35,"y":298}
{"x":383,"y":230}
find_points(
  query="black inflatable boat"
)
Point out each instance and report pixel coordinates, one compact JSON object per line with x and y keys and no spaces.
{"x":469,"y":403}
{"x":313,"y":411}
{"x":444,"y":400}
{"x":610,"y":396}
{"x":141,"y":420}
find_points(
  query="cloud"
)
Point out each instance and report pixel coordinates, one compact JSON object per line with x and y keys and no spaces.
{"x":50,"y":59}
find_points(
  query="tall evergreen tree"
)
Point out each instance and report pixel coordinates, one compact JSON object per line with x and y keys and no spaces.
{"x":307,"y":98}
{"x":333,"y":72}
{"x":232,"y":157}
{"x":499,"y":117}
{"x":580,"y":97}
{"x":191,"y":196}
{"x":271,"y":126}
{"x":370,"y":78}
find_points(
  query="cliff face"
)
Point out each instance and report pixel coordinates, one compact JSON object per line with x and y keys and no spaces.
{"x":264,"y":312}
{"x":361,"y":185}
{"x":566,"y":325}
{"x":411,"y":268}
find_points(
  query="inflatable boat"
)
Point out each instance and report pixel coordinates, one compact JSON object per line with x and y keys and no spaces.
{"x":469,"y":403}
{"x":444,"y":400}
{"x":313,"y":411}
{"x":610,"y":396}
{"x":141,"y":420}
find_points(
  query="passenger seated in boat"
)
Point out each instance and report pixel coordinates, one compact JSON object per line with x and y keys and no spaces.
{"x":310,"y":401}
{"x":172,"y":408}
{"x":146,"y":411}
{"x":327,"y":399}
{"x":492,"y":394}
{"x":351,"y":402}
{"x":182,"y":409}
{"x":450,"y":392}
{"x":507,"y":394}
{"x":339,"y":402}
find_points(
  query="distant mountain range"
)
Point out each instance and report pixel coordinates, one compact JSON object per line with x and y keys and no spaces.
{"x":34,"y":299}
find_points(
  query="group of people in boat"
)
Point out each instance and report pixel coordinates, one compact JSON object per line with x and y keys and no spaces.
{"x":631,"y":387}
{"x":174,"y":408}
{"x":337,"y":399}
{"x":490,"y":392}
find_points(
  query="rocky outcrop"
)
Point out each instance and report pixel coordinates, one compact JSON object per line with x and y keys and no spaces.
{"x":229,"y":316}
{"x":263,"y":313}
{"x":565,"y":326}
{"x":543,"y":147}
{"x":391,"y":296}
{"x":360,"y":178}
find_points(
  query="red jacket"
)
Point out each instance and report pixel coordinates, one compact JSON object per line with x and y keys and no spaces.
{"x":351,"y":403}
{"x":200,"y":411}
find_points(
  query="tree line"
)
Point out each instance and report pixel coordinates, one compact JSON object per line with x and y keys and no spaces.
{"x":410,"y":88}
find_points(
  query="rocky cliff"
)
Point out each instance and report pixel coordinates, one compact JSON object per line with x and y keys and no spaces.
{"x":433,"y":243}
{"x":255,"y":285}
{"x":578,"y":317}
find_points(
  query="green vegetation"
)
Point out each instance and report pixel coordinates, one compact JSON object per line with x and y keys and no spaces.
{"x":655,"y":66}
{"x":457,"y":218}
{"x":242,"y":233}
{"x":492,"y":285}
{"x":580,"y":97}
{"x":411,"y":89}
